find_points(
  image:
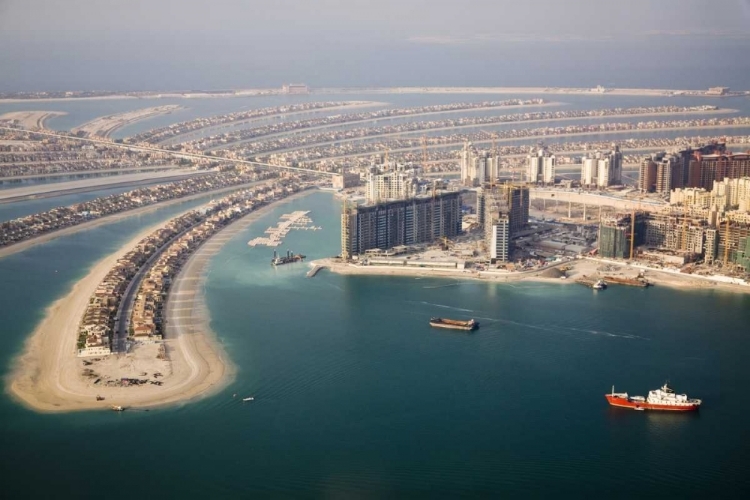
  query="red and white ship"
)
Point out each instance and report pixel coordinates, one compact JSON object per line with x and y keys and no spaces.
{"x":663,"y":399}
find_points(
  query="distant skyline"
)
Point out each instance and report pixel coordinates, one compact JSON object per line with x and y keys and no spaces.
{"x":168,"y":44}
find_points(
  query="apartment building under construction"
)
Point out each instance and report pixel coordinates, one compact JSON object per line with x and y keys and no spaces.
{"x":402,"y":222}
{"x":620,"y":234}
{"x":503,"y":211}
{"x":733,"y":246}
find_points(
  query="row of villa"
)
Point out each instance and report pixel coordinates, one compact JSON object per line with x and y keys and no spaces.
{"x":97,"y":325}
{"x":31,"y":226}
{"x":146,"y":321}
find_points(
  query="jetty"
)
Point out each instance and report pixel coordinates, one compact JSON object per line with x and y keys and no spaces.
{"x":315,"y":270}
{"x":298,"y":220}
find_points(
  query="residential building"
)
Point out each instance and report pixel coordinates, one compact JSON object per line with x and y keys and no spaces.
{"x":478,"y":167}
{"x":609,"y":168}
{"x":403,"y":222}
{"x":394,"y":182}
{"x":345,"y":180}
{"x":589,"y":167}
{"x":647,"y":175}
{"x":540,"y":168}
{"x":617,"y":234}
{"x":505,"y":212}
{"x":499,"y":239}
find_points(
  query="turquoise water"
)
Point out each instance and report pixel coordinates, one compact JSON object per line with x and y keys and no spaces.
{"x":355,"y":396}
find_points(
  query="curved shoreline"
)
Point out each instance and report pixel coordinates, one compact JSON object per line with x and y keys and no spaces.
{"x":105,"y":126}
{"x":366,"y":138}
{"x":302,"y":131}
{"x":46,"y":376}
{"x":579,"y":268}
{"x":44,"y":238}
{"x":523,"y":138}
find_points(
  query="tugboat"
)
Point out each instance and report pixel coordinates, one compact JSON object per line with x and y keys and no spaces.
{"x":454,"y":324}
{"x":287,"y":259}
{"x":663,"y":399}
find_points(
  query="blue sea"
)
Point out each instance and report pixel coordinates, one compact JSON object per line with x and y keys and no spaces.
{"x":356,"y":396}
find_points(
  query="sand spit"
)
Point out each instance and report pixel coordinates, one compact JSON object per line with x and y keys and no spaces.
{"x":48,"y":377}
{"x":104,"y":126}
{"x":31,"y":119}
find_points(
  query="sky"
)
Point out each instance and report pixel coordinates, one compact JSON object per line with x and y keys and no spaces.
{"x":169,"y":44}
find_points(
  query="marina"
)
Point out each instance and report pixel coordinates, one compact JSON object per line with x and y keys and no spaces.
{"x":298,"y":220}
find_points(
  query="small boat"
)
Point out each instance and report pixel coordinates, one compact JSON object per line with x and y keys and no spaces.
{"x":248,"y":399}
{"x":116,"y":408}
{"x":454,"y":324}
{"x":599,"y":285}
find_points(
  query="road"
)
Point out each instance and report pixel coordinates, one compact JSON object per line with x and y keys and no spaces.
{"x":595,"y":199}
{"x":85,"y":173}
{"x":50,"y":190}
{"x":122,"y":319}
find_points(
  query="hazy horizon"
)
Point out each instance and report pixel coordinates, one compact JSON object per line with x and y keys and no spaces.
{"x":163,"y":45}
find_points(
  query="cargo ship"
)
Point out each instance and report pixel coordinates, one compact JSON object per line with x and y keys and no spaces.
{"x":663,"y":399}
{"x":454,"y":324}
{"x":286,"y":259}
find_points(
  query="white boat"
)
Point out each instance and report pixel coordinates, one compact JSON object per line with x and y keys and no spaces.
{"x":248,"y":399}
{"x":599,"y":285}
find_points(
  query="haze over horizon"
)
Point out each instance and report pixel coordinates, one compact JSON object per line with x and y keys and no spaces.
{"x":163,"y":45}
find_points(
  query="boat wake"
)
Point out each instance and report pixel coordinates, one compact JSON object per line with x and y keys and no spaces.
{"x":446,"y":307}
{"x":562,"y":329}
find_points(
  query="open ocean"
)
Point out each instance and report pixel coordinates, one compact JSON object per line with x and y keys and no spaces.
{"x":355,"y":395}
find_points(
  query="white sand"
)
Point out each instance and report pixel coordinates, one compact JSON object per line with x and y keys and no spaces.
{"x":48,"y":376}
{"x":31,"y":119}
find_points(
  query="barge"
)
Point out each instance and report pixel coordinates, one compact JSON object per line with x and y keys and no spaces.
{"x":286,"y":259}
{"x":454,"y":324}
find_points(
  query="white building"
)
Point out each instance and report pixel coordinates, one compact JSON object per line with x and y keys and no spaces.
{"x":589,"y":168}
{"x":478,"y":167}
{"x":735,"y":192}
{"x":609,"y":169}
{"x":401,"y":183}
{"x":540,"y":167}
{"x":500,"y":239}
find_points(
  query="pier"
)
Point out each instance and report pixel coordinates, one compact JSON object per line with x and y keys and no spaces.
{"x":295,"y":220}
{"x":315,"y":270}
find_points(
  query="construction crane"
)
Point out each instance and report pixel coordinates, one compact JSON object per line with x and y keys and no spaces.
{"x":632,"y":234}
{"x":726,"y":242}
{"x":683,"y":243}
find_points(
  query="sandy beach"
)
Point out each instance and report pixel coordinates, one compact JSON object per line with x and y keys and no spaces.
{"x":31,"y":119}
{"x":48,"y":377}
{"x":104,"y":126}
{"x":589,"y":267}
